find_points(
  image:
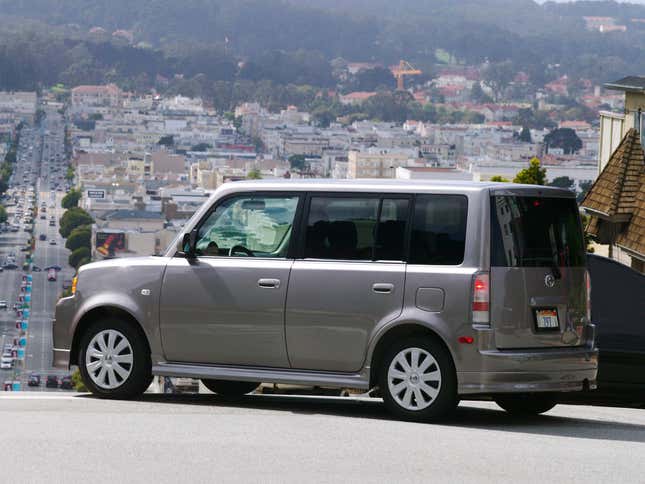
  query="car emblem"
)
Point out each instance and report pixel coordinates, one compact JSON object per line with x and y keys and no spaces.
{"x":549,"y":280}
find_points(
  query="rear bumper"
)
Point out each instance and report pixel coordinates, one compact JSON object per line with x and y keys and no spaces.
{"x":567,"y":370}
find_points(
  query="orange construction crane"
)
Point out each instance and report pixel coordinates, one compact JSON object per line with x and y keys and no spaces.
{"x":403,"y":69}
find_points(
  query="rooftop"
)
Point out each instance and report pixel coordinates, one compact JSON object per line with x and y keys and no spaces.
{"x":628,"y":84}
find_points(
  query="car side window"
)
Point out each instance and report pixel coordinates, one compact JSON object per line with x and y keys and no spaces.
{"x":349,"y":228}
{"x":439,"y":230}
{"x":248,"y":226}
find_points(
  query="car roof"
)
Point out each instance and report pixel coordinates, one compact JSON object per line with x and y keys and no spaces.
{"x":382,"y":185}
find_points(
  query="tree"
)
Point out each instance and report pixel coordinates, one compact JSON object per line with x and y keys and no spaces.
{"x":254,"y":174}
{"x":525,"y":135}
{"x":584,"y":187}
{"x":297,"y":162}
{"x":71,"y":199}
{"x":498,"y":76}
{"x":374,"y":79}
{"x":564,"y":138}
{"x":167,"y":140}
{"x":499,"y":178}
{"x":562,"y":182}
{"x":78,"y":256}
{"x":72,"y":218}
{"x":478,"y":95}
{"x":69,"y":174}
{"x":3,"y":214}
{"x":79,"y":237}
{"x":533,"y":175}
{"x":201,"y":147}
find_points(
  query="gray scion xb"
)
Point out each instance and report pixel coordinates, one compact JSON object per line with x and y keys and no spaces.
{"x":424,"y":292}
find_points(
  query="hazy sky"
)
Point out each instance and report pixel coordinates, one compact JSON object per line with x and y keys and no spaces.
{"x":641,"y":2}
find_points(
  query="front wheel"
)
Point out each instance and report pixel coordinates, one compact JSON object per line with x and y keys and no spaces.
{"x":230,"y":388}
{"x":114,"y":360}
{"x":418,"y":380}
{"x":526,"y":404}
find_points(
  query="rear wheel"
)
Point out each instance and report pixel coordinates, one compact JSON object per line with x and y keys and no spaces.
{"x":527,"y":404}
{"x":114,"y":360}
{"x":418,"y":380}
{"x":230,"y":388}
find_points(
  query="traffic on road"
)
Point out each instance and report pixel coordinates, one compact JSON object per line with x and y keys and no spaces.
{"x":33,"y":258}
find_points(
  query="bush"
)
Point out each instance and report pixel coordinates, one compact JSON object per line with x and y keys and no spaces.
{"x":72,"y":218}
{"x":77,"y":256}
{"x":71,"y":199}
{"x":77,"y":382}
{"x":79,"y":237}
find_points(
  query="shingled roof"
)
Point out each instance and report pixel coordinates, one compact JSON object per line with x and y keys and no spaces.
{"x":617,"y":197}
{"x":633,"y":237}
{"x":614,"y":193}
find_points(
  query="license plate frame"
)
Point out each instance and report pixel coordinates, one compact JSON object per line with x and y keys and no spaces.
{"x":546,"y":319}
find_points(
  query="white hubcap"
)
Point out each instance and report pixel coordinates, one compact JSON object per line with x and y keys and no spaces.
{"x":108,"y":359}
{"x":414,"y":379}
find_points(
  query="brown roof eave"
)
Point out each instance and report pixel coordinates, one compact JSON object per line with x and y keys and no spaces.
{"x":632,"y":253}
{"x":616,"y":218}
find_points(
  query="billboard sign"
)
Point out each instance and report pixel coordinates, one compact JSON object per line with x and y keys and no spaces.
{"x":96,"y":194}
{"x":110,"y":244}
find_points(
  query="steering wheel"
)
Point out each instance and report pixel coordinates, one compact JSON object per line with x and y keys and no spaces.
{"x":240,"y":248}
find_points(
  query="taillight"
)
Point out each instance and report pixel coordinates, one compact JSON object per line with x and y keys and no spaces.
{"x":588,"y":295}
{"x":481,"y":298}
{"x":74,"y":282}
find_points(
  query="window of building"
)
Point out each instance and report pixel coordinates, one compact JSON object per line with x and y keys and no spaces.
{"x":439,"y":230}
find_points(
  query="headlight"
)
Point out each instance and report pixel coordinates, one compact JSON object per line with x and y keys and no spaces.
{"x":74,"y":281}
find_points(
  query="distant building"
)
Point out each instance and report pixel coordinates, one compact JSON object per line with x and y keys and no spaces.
{"x":96,"y":96}
{"x":378,"y":163}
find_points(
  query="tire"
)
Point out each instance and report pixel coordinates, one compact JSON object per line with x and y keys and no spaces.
{"x":124,"y":378}
{"x":227,"y":388}
{"x":418,"y":398}
{"x":526,"y":404}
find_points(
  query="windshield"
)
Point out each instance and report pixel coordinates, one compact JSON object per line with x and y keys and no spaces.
{"x":535,"y":232}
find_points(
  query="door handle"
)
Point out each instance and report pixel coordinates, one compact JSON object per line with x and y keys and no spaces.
{"x":269,"y":283}
{"x":383,"y":288}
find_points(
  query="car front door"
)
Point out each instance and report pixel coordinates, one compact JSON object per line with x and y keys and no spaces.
{"x":349,"y":279}
{"x":226,"y":304}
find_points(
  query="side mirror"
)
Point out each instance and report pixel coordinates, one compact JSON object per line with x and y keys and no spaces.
{"x":187,"y":244}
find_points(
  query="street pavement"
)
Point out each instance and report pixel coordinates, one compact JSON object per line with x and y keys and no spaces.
{"x":33,"y":157}
{"x":204,"y":438}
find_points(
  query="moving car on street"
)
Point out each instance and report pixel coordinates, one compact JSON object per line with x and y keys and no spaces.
{"x":51,"y":381}
{"x":425,"y":292}
{"x":34,"y":380}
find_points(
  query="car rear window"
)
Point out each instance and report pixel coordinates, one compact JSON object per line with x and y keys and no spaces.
{"x":535,"y":232}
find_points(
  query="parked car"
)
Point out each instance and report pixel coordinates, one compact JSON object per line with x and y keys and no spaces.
{"x":66,"y":383}
{"x":36,"y":269}
{"x":51,"y":381}
{"x":10,"y":266}
{"x":4,"y":305}
{"x":34,"y":380}
{"x":430,"y":292}
{"x":6,"y":363}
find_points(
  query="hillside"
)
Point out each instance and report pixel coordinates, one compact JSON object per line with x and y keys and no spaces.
{"x":294,"y":40}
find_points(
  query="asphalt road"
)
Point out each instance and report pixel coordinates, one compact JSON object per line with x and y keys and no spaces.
{"x":63,"y":438}
{"x":38,"y":148}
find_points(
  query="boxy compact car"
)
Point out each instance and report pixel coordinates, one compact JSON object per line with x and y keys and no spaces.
{"x":425,"y":292}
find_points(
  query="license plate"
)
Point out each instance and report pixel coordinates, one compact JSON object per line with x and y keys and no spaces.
{"x":547,"y":319}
